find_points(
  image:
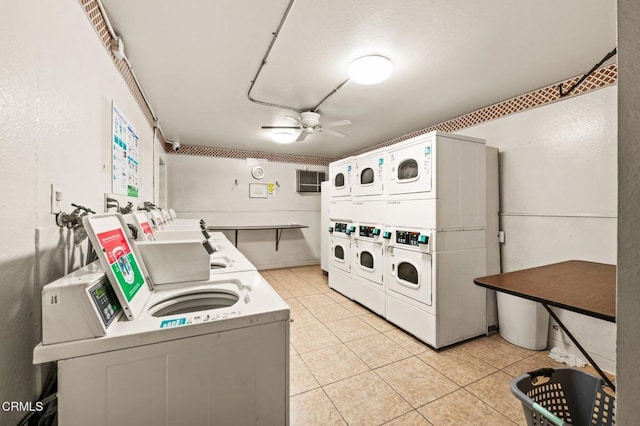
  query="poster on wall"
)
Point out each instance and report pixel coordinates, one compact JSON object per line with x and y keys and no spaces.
{"x":125,"y":156}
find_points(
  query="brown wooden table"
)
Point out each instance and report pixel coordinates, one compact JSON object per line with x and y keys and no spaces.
{"x":588,"y":288}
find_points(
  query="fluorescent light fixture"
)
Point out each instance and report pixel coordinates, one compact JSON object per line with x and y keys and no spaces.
{"x":283,"y":137}
{"x":370,"y":69}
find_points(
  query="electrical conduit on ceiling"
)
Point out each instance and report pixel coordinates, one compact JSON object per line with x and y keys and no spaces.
{"x":114,"y":36}
{"x":264,"y":62}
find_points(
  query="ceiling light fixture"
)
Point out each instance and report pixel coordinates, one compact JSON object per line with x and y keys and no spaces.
{"x":370,"y":69}
{"x":283,"y":137}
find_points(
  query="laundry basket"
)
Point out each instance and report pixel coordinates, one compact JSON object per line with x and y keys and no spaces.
{"x":564,"y":396}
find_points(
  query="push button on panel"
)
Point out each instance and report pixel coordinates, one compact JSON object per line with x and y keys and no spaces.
{"x":423,"y":239}
{"x":376,"y":231}
{"x":331,"y":229}
{"x":386,"y":235}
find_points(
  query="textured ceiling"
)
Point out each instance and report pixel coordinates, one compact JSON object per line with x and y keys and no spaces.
{"x":195,"y":60}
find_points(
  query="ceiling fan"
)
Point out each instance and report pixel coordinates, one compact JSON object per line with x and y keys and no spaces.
{"x":309,"y":122}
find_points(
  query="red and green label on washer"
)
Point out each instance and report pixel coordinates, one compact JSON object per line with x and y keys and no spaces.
{"x":122,"y":261}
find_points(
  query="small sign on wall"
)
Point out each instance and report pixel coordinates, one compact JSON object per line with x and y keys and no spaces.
{"x":258,"y":190}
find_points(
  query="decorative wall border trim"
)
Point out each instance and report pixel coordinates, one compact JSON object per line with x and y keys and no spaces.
{"x":605,"y":76}
{"x":209,"y":151}
{"x":98,"y":20}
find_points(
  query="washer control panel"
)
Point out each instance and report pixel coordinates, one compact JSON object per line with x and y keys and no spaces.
{"x":105,"y":301}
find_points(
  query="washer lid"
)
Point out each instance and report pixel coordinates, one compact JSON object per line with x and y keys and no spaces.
{"x":121,"y":261}
{"x":142,"y":222}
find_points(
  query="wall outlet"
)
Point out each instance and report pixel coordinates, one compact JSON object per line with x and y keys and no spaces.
{"x":56,"y":198}
{"x":501,"y":237}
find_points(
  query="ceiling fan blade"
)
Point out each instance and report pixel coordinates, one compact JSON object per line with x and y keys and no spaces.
{"x":281,"y":127}
{"x":337,"y":123}
{"x":333,"y":132}
{"x":303,"y":135}
{"x":292,"y":118}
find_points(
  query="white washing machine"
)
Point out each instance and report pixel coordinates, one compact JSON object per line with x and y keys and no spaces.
{"x":438,"y":181}
{"x":429,"y":284}
{"x":175,"y":254}
{"x":368,"y":186}
{"x":157,"y":220}
{"x":340,"y":257}
{"x":154,"y":230}
{"x":162,"y":220}
{"x":215,"y":352}
{"x":367,"y":267}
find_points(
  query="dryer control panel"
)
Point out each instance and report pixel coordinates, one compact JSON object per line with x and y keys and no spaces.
{"x":340,"y":227}
{"x":368,"y":231}
{"x":411,"y":238}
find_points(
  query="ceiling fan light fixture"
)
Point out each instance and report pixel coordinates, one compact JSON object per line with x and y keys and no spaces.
{"x":371,"y":69}
{"x":283,"y":137}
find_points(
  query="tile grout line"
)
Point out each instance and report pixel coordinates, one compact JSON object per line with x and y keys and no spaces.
{"x":378,"y":332}
{"x":334,"y":406}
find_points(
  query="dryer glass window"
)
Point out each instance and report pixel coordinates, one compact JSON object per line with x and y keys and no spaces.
{"x":338,"y":252}
{"x":408,"y":272}
{"x":367,"y":176}
{"x":338,"y":181}
{"x":366,"y":259}
{"x":408,"y":169}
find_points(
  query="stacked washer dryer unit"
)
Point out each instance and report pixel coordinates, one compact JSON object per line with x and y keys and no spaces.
{"x":436,"y":210}
{"x":420,"y":214}
{"x":367,"y":261}
{"x":341,"y":227}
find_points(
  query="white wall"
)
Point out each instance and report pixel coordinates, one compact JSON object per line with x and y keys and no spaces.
{"x":558,"y":196}
{"x":628,"y":308}
{"x":18,"y":162}
{"x":204,"y":187}
{"x":57,"y":83}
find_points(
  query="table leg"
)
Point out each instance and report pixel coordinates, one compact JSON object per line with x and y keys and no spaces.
{"x":278,"y":236}
{"x":579,"y":346}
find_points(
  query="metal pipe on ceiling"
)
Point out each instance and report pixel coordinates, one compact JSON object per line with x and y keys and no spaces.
{"x":264,"y":62}
{"x":114,"y":36}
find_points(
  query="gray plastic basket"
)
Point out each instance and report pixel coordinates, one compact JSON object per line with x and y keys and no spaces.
{"x":569,"y":396}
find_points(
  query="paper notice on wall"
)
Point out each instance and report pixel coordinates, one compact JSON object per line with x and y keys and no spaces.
{"x":125,"y":156}
{"x":271,"y":188}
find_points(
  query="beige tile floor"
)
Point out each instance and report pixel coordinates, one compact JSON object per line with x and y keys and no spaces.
{"x":351,"y":367}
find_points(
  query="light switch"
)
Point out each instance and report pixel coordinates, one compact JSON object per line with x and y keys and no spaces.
{"x":56,"y":198}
